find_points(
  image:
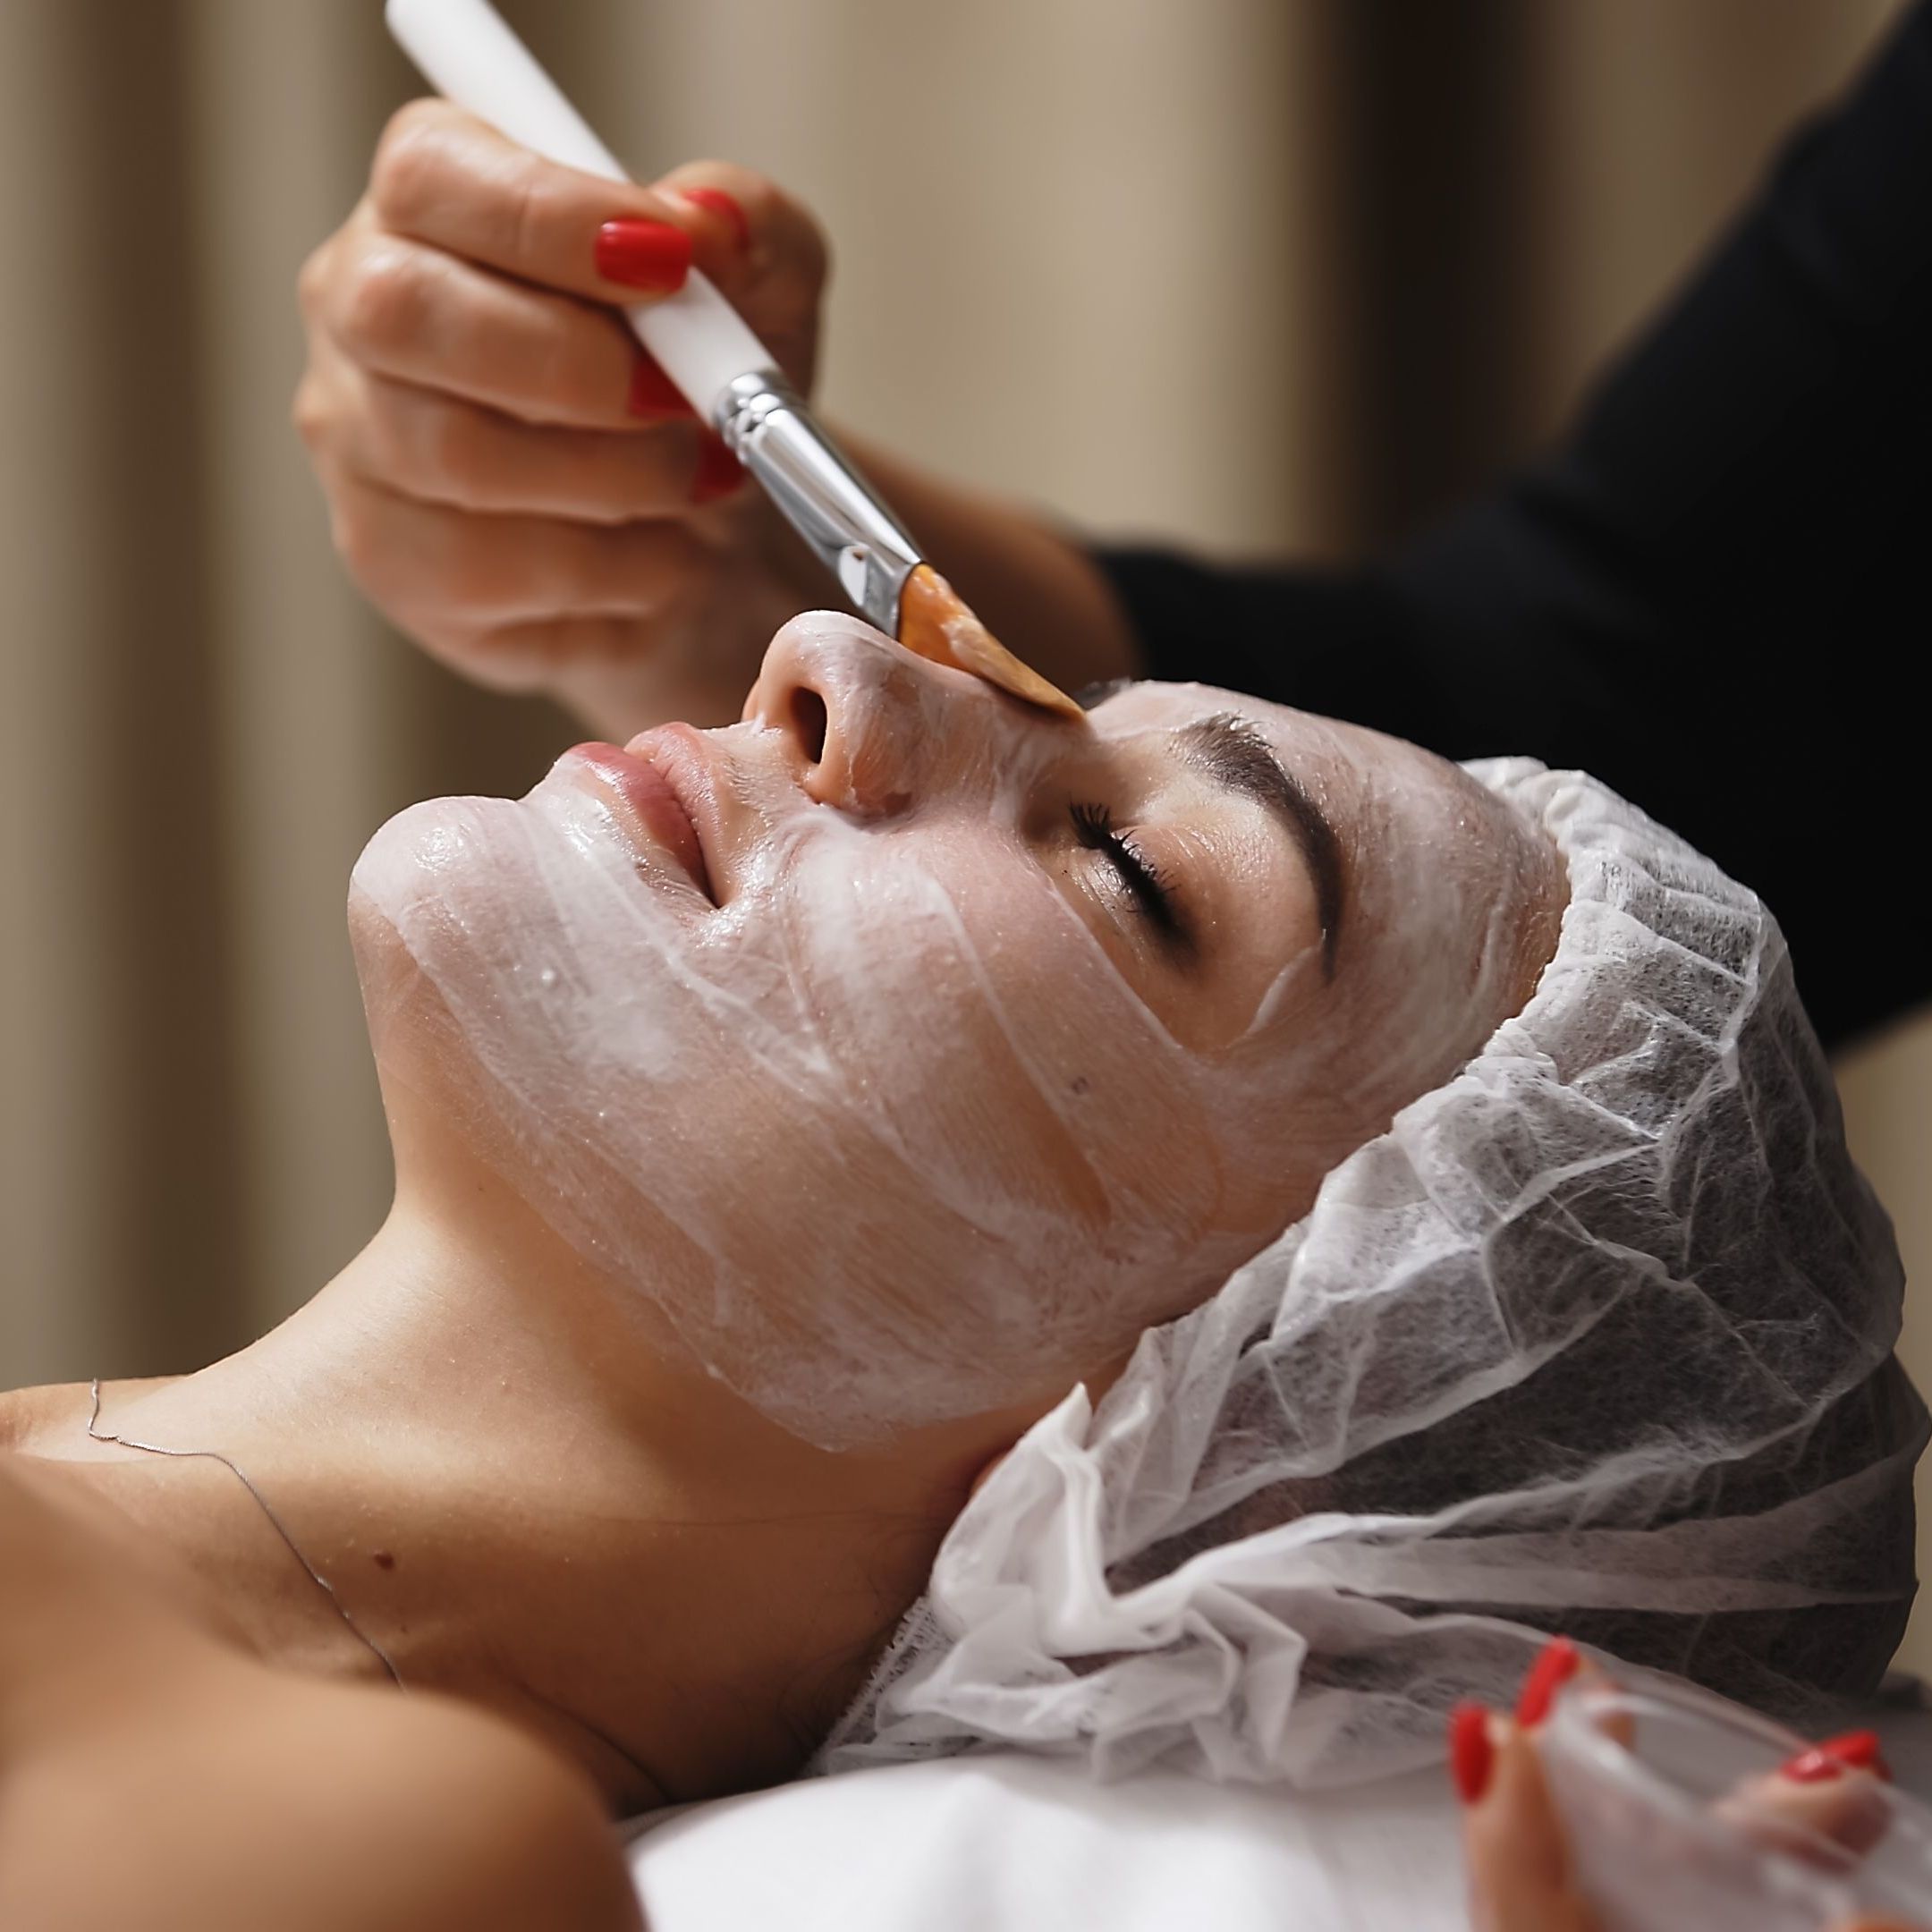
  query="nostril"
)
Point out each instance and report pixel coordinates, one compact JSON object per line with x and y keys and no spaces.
{"x":809,"y":714}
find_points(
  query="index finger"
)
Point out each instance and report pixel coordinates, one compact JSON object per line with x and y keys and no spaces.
{"x":443,"y":177}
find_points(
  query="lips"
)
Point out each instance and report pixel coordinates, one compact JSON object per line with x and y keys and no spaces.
{"x":661,"y":793}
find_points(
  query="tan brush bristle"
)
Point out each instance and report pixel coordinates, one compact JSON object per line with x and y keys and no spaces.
{"x":934,"y":622}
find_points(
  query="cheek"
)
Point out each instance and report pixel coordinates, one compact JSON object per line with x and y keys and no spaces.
{"x":981,"y":1035}
{"x":937,"y":1058}
{"x":1131,"y":1126}
{"x":886,"y":1140}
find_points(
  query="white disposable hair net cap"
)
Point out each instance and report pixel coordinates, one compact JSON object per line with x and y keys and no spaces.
{"x":1596,"y":1337}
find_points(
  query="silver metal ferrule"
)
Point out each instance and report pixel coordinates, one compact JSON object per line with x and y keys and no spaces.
{"x":768,"y":428}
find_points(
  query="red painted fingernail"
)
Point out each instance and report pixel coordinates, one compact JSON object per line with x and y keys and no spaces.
{"x":653,"y":392}
{"x":718,"y":202}
{"x":643,"y":255}
{"x":718,"y":471}
{"x":1815,"y":1767}
{"x":1859,"y":1750}
{"x":1556,"y":1664}
{"x":1470,"y":1752}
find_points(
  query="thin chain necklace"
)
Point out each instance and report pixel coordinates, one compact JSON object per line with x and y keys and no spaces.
{"x":96,"y":1433}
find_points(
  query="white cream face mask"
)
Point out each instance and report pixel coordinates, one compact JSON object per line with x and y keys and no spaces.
{"x":890,"y":1093}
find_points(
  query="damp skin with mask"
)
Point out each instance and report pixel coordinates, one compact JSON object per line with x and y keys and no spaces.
{"x":871,"y":1089}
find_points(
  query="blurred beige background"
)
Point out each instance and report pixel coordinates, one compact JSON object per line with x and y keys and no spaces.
{"x":1260,"y":274}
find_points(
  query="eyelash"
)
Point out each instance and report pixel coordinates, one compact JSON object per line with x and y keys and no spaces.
{"x":1093,"y":824}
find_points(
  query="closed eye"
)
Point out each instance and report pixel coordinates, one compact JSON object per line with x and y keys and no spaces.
{"x":1093,"y":824}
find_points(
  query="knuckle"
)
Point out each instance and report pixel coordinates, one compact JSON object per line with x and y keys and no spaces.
{"x":564,"y":381}
{"x":484,"y":577}
{"x":311,"y":413}
{"x":527,"y":213}
{"x":408,"y":172}
{"x":426,"y":446}
{"x":312,"y":280}
{"x":573,"y":568}
{"x":454,"y":451}
{"x":385,"y":303}
{"x":356,"y":533}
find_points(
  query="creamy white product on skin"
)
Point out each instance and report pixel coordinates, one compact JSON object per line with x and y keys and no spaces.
{"x":914,"y":1124}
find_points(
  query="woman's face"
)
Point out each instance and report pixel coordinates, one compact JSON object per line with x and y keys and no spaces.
{"x":907,"y":1050}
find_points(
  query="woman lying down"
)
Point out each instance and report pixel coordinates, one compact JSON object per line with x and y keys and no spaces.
{"x":923,"y":1225}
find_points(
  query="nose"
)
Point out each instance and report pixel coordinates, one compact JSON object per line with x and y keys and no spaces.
{"x":871,"y":724}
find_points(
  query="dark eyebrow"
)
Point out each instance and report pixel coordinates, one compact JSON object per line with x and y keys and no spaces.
{"x":1235,"y":755}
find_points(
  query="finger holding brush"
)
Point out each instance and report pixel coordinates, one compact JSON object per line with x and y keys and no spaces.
{"x":731,"y":380}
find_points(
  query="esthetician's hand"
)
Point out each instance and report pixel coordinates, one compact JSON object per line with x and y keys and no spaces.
{"x":511,"y":478}
{"x":1520,"y":1877}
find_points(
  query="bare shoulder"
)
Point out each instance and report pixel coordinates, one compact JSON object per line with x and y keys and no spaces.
{"x":241,"y":1798}
{"x":152,"y":1776}
{"x":453,"y":1817}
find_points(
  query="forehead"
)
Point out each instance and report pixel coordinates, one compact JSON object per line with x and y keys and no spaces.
{"x":1380,"y":794}
{"x":1316,"y":751}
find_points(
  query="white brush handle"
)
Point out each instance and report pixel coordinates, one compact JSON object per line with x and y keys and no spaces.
{"x":468,"y":55}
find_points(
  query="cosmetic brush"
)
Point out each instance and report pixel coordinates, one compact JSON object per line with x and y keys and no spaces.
{"x":468,"y":52}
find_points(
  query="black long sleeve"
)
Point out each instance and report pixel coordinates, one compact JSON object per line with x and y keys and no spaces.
{"x":1713,"y":594}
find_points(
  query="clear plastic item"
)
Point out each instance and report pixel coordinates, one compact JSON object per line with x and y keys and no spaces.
{"x":1662,"y":1791}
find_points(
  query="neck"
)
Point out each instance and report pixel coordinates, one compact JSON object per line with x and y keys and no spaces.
{"x":523,"y":1503}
